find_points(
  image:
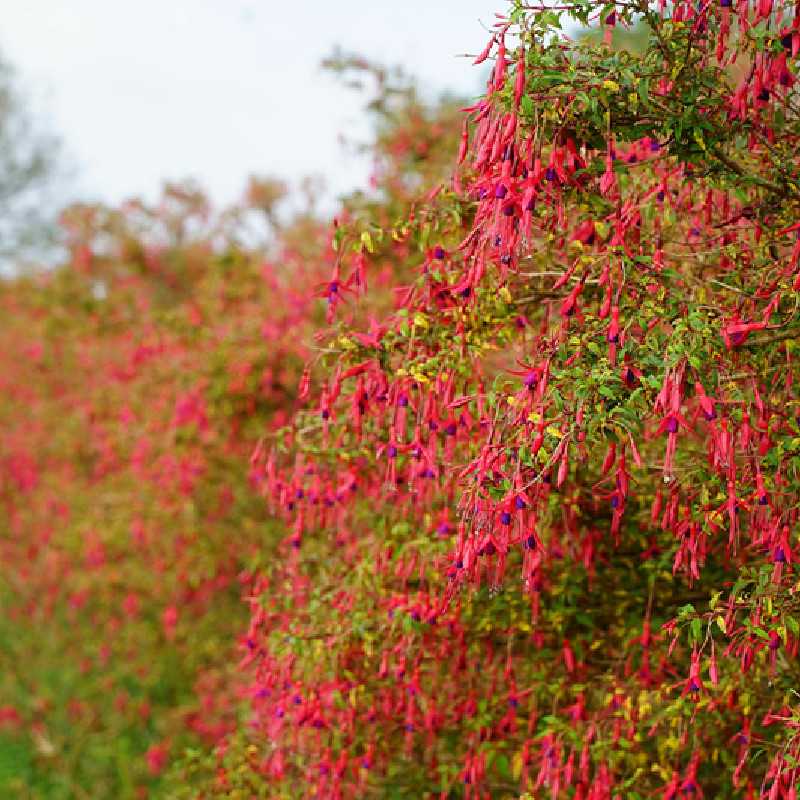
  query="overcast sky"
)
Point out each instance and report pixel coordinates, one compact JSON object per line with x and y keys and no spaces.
{"x":143,"y":90}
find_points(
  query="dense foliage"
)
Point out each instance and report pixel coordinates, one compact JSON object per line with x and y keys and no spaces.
{"x":134,"y":385}
{"x":520,"y":515}
{"x":542,"y":514}
{"x":135,"y":381}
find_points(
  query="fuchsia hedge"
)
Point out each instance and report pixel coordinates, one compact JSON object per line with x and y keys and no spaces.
{"x":527,"y":526}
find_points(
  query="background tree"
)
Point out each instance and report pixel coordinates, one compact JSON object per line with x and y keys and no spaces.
{"x":31,"y":177}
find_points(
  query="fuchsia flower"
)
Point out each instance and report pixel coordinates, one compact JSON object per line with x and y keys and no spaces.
{"x":569,"y":305}
{"x":156,"y":757}
{"x":735,"y":333}
{"x":608,"y":181}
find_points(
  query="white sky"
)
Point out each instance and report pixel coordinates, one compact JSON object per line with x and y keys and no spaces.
{"x":143,"y":90}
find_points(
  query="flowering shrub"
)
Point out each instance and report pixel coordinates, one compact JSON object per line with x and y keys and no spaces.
{"x":533,"y":523}
{"x":541,"y":514}
{"x":135,"y":382}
